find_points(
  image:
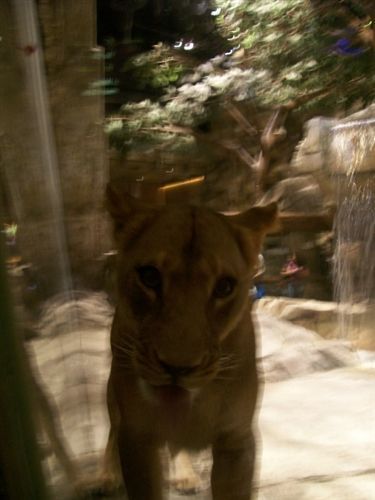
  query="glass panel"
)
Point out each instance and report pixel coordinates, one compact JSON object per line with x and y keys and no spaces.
{"x":221,"y":104}
{"x":53,"y":173}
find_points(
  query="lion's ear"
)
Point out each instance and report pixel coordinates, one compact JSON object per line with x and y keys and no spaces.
{"x":259,"y":218}
{"x":252,"y":227}
{"x":128,"y":213}
{"x":120,"y":204}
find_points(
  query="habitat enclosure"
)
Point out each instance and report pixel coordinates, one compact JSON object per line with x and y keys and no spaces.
{"x":225,"y":104}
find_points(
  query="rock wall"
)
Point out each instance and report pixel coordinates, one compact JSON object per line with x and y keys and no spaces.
{"x":334,"y":165}
{"x":337,"y":148}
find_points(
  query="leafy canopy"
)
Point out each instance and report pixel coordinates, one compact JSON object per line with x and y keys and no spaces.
{"x":282,"y":50}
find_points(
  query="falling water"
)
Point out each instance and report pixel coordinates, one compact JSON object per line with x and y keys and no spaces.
{"x":28,"y":35}
{"x":353,"y":150}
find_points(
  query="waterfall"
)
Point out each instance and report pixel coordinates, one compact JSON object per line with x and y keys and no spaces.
{"x":73,"y":368}
{"x":353,"y":157}
{"x":36,"y":85}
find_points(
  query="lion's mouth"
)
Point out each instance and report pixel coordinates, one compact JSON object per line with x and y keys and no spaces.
{"x":171,"y":394}
{"x":168,"y":396}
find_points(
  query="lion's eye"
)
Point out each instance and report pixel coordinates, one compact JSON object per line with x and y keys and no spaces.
{"x":224,"y":287}
{"x":150,"y":277}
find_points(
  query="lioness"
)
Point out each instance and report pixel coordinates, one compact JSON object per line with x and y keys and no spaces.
{"x":183,"y":352}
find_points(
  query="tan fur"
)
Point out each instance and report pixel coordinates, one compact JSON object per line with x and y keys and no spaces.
{"x":183,"y":335}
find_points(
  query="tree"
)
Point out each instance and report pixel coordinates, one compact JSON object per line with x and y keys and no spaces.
{"x":306,"y":57}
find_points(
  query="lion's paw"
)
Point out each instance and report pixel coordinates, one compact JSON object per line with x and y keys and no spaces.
{"x":105,"y":485}
{"x":182,"y":476}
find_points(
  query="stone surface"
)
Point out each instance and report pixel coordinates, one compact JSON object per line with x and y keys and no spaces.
{"x":326,"y":318}
{"x":317,"y":435}
{"x":332,"y":145}
{"x":317,"y":411}
{"x":297,"y":194}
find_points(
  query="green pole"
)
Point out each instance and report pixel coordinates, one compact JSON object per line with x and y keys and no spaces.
{"x":19,"y":453}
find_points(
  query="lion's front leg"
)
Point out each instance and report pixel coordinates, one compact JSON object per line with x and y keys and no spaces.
{"x":233,"y":468}
{"x":141,"y":466}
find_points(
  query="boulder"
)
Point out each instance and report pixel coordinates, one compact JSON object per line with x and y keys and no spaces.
{"x":332,"y":146}
{"x":296,"y":194}
{"x":316,"y":409}
{"x":331,"y":320}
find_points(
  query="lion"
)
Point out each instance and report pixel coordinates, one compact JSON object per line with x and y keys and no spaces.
{"x":183,"y":370}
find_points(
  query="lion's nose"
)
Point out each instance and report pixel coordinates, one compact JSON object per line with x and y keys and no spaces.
{"x":177,"y":371}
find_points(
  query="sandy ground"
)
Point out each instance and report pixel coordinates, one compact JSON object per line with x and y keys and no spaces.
{"x":317,"y":414}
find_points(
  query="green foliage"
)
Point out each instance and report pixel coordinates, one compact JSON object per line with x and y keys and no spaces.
{"x":288,"y":55}
{"x":157,"y":68}
{"x":144,"y":125}
{"x":294,"y":43}
{"x":187,"y":105}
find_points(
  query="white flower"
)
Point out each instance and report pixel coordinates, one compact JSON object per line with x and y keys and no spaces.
{"x":311,"y":63}
{"x":206,"y":68}
{"x":199,"y":92}
{"x":184,"y":88}
{"x":112,"y":125}
{"x":217,"y":81}
{"x":293,"y":76}
{"x":271,"y":37}
{"x":295,"y":38}
{"x":155,"y":116}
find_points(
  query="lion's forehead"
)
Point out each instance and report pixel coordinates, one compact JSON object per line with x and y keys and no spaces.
{"x":194,"y":240}
{"x":198,"y":270}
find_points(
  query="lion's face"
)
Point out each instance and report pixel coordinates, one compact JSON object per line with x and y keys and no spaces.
{"x":183,"y":280}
